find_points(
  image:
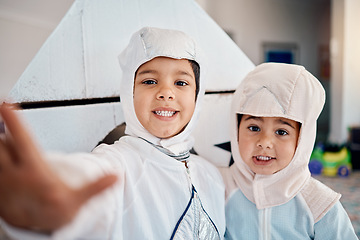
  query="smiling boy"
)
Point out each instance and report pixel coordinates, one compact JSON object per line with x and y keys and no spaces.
{"x":267,"y":144}
{"x":270,"y":193}
{"x":164,"y":95}
{"x":162,"y":192}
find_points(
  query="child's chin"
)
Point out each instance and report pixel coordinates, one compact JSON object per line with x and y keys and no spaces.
{"x":264,"y":172}
{"x":166,"y":135}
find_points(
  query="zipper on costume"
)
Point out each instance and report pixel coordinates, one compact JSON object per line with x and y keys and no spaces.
{"x":190,"y":185}
{"x":265,"y":223}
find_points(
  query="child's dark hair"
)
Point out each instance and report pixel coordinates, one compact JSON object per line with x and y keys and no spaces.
{"x":239,"y":116}
{"x":196,"y":69}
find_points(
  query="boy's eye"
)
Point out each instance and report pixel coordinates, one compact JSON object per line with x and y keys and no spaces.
{"x":181,"y":83}
{"x":281,"y":132}
{"x":254,"y":128}
{"x":149,"y":81}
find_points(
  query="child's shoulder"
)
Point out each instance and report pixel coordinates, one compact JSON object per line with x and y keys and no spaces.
{"x":205,"y":169}
{"x":119,"y":153}
{"x":125,"y":144}
{"x":319,"y":198}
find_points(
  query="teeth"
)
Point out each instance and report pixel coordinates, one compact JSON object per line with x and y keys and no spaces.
{"x":165,"y":113}
{"x":263,"y":158}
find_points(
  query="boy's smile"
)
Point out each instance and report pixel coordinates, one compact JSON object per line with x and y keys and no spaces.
{"x":164,"y":95}
{"x":267,"y":144}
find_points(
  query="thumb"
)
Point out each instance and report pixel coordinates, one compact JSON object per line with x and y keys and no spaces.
{"x":96,"y":187}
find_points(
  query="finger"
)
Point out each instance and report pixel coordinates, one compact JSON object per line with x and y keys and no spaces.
{"x":20,"y":136}
{"x":3,"y":150}
{"x":2,"y":129}
{"x":5,"y":156}
{"x":96,"y":187}
{"x":13,"y":123}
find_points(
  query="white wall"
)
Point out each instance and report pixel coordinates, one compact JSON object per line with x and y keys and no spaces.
{"x":351,"y":63}
{"x":345,"y":52}
{"x":254,"y":22}
{"x":24,"y":27}
{"x":18,"y":45}
{"x":305,"y":23}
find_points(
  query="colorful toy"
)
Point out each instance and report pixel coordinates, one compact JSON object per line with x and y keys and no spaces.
{"x":330,"y":163}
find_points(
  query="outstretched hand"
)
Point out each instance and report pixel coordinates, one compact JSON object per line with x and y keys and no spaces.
{"x":32,"y":196}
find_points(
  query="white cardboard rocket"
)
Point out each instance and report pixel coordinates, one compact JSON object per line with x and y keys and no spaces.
{"x":79,"y":61}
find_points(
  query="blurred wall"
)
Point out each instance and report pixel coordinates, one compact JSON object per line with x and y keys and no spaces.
{"x":24,"y":27}
{"x":345,"y":70}
{"x":254,"y":22}
{"x":312,"y":25}
{"x":18,"y":45}
{"x":305,"y":24}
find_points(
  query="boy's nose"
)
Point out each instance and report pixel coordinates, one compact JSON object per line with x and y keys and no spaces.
{"x":265,"y":142}
{"x":165,"y":93}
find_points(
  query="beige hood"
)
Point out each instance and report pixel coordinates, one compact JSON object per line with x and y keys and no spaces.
{"x":277,"y":90}
{"x":144,"y":45}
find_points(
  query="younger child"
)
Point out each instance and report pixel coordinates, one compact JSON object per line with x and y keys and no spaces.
{"x":163,"y":191}
{"x":270,"y":193}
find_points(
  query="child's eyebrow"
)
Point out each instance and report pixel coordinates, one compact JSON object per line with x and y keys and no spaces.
{"x":282,"y":121}
{"x":180,"y":72}
{"x":146,"y":71}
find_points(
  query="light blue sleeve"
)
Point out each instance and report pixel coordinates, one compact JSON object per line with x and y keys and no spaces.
{"x":335,"y":224}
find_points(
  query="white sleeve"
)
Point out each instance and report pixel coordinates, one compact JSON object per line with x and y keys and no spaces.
{"x":97,"y":217}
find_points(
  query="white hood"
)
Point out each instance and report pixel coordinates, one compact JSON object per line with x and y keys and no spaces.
{"x":277,"y":90}
{"x":144,"y":45}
